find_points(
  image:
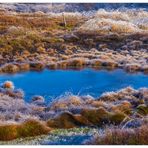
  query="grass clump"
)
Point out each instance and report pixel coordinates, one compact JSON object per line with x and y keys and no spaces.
{"x":142,"y":109}
{"x":132,"y":68}
{"x":77,"y":62}
{"x":116,"y":136}
{"x":29,"y":128}
{"x":117,"y":118}
{"x":64,"y":120}
{"x":37,"y":66}
{"x":103,"y":26}
{"x":124,"y":107}
{"x":8,"y":132}
{"x":32,"y":128}
{"x":24,"y":67}
{"x":96,"y":116}
{"x":10,"y":68}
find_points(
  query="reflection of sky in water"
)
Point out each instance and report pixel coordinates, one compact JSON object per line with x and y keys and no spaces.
{"x":56,"y":82}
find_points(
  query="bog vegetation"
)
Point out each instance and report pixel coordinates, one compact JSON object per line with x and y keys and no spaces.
{"x":110,"y":39}
{"x":34,"y":41}
{"x":113,"y":111}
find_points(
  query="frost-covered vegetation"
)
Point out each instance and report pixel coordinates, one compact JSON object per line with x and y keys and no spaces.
{"x":117,"y":22}
{"x":126,"y":108}
{"x":98,"y":39}
{"x":117,"y":136}
{"x":102,"y":39}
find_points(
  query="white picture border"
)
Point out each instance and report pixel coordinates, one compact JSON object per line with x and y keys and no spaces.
{"x":72,"y":1}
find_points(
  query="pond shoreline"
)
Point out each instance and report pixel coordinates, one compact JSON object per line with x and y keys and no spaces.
{"x":105,"y":39}
{"x":54,"y":83}
{"x":125,"y":108}
{"x":77,"y":64}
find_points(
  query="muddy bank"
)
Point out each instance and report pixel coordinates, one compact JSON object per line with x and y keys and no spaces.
{"x":124,"y":108}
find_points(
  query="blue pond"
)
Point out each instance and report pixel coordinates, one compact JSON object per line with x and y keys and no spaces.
{"x":53,"y":83}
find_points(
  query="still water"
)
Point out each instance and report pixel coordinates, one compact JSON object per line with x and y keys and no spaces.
{"x":53,"y":83}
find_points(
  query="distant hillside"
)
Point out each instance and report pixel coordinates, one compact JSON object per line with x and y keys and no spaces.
{"x":69,"y":7}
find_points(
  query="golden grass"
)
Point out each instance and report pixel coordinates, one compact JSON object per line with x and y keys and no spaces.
{"x":10,"y":68}
{"x":27,"y":129}
{"x":32,"y":128}
{"x":37,"y":66}
{"x":8,"y":132}
{"x":77,"y":62}
{"x":24,"y":67}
